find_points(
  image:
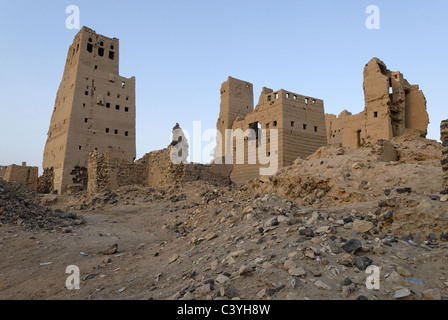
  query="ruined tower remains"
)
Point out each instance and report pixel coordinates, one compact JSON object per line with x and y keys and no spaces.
{"x":392,"y":105}
{"x":94,"y":110}
{"x":298,"y":120}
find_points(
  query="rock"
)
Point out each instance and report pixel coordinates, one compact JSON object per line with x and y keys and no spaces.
{"x":403,"y":272}
{"x":228,"y":291}
{"x":271,"y":222}
{"x":211,"y":236}
{"x":321,"y":285}
{"x":261,"y":293}
{"x":289,"y":265}
{"x":378,"y":250}
{"x":334,"y":248}
{"x":352,"y":245}
{"x":107,"y":260}
{"x":187,"y":297}
{"x":362,"y":226}
{"x":222,"y":279}
{"x":297,"y":272}
{"x":402,"y":294}
{"x":362,"y":262}
{"x":347,"y":290}
{"x":173,"y":258}
{"x":322,"y":229}
{"x":111,"y":250}
{"x":432,"y":294}
{"x":243,"y":270}
{"x":424,"y":205}
{"x":204,"y":289}
{"x":236,"y":254}
{"x":444,"y":198}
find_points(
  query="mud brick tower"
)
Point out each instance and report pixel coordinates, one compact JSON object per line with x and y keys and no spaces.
{"x":94,"y":110}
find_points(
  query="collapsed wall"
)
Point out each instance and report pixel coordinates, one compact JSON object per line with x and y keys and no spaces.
{"x":111,"y":170}
{"x":444,"y":160}
{"x":392,"y":106}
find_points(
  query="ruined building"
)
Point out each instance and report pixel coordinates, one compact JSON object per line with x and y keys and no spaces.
{"x":23,"y":174}
{"x":299,"y":121}
{"x":94,"y":110}
{"x":392,"y":105}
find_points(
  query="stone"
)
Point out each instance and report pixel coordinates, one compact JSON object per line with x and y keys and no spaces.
{"x":432,"y":294}
{"x":352,"y":245}
{"x":362,"y":226}
{"x":378,"y":250}
{"x":402,"y":294}
{"x":289,"y":265}
{"x":403,"y":272}
{"x":211,"y":236}
{"x":187,"y":296}
{"x":297,"y":272}
{"x":321,"y":285}
{"x":173,"y":258}
{"x":323,"y":229}
{"x":347,"y":290}
{"x":261,"y":293}
{"x":111,"y":250}
{"x":222,"y":279}
{"x":362,"y":262}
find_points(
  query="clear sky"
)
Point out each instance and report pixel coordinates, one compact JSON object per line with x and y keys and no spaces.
{"x":182,"y":51}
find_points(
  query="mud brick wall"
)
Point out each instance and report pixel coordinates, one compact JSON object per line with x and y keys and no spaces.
{"x":444,"y":161}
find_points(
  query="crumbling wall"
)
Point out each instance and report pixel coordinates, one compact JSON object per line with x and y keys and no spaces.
{"x":2,"y":171}
{"x":392,"y":106}
{"x":111,"y":170}
{"x":444,"y":160}
{"x":23,"y":174}
{"x":45,"y":183}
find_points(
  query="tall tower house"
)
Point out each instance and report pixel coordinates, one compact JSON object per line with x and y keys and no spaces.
{"x":94,"y":110}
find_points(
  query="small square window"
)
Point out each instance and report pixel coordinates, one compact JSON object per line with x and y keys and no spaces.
{"x":123,"y":84}
{"x":86,"y":120}
{"x":126,"y":109}
{"x":126,"y":133}
{"x":107,"y":130}
{"x":117,"y":107}
{"x":316,"y":129}
{"x":116,"y":131}
{"x":375,"y":114}
{"x":304,"y":127}
{"x":275,"y":123}
{"x":80,"y":148}
{"x":108,"y":105}
{"x":292,"y":124}
{"x":86,"y":93}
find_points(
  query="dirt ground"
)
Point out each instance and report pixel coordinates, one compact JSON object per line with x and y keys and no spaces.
{"x":309,"y":232}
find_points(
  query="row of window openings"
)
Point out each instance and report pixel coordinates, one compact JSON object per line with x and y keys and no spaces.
{"x":126,"y":133}
{"x":307,"y":100}
{"x":117,"y":107}
{"x":108,"y":94}
{"x":293,"y":124}
{"x":101,"y":50}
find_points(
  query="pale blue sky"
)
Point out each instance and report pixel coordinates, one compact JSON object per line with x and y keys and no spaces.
{"x":182,"y":51}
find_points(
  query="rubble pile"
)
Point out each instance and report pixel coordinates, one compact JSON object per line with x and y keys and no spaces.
{"x":18,"y":206}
